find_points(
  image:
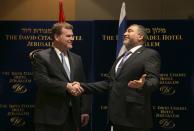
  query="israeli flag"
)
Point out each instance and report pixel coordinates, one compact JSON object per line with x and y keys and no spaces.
{"x":121,"y":30}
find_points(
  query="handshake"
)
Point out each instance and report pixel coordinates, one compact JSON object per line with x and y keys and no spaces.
{"x":75,"y":88}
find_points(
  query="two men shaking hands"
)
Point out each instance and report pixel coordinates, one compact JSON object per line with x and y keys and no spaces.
{"x":76,"y":89}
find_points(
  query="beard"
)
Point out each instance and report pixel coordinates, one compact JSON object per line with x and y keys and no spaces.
{"x":127,"y":44}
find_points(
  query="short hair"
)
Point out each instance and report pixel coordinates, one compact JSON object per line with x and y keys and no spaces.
{"x":57,"y":27}
{"x":142,"y":30}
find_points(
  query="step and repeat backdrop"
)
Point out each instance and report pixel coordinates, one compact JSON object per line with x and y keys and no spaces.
{"x":95,"y":41}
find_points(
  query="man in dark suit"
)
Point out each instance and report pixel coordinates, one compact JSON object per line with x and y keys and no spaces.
{"x":132,"y":79}
{"x":55,"y":108}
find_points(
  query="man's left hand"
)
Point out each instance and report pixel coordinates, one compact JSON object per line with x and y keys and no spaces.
{"x":137,"y":84}
{"x":84,"y":119}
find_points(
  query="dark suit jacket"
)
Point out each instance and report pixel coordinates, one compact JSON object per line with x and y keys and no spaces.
{"x":127,"y":106}
{"x":52,"y":103}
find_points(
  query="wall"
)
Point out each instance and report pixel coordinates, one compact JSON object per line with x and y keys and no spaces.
{"x":35,"y":9}
{"x":95,"y":9}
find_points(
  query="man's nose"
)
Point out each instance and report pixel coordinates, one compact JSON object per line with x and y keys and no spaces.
{"x":125,"y":33}
{"x":72,"y":38}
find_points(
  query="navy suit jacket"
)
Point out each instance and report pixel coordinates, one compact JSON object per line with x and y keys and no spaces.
{"x":127,"y":106}
{"x":52,"y":102}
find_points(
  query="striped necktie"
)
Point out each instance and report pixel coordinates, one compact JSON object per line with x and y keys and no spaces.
{"x":124,"y":58}
{"x":65,"y":65}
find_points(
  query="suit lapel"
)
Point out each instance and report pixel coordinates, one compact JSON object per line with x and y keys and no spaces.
{"x":71,"y":62}
{"x":133,"y":56}
{"x":113,"y":73}
{"x":57,"y":62}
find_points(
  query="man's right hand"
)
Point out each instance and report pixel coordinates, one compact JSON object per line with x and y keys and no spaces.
{"x":75,"y":89}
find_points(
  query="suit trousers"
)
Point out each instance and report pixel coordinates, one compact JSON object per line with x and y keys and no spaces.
{"x":69,"y":125}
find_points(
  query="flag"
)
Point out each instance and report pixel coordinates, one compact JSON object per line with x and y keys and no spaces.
{"x":61,"y":12}
{"x":121,"y":30}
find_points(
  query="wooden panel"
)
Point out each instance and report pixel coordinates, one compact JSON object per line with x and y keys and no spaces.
{"x":35,"y":9}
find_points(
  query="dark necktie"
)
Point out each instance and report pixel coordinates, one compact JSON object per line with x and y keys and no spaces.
{"x":65,"y":65}
{"x":124,"y":58}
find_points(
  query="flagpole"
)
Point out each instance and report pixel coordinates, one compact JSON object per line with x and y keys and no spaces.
{"x":111,"y":128}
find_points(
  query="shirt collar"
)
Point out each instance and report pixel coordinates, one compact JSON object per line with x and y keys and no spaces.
{"x":135,"y":48}
{"x":57,"y":51}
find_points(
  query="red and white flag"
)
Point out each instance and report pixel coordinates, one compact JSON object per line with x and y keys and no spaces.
{"x":61,"y":12}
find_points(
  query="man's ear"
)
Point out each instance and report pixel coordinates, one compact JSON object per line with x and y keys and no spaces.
{"x":56,"y":37}
{"x":140,"y":37}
